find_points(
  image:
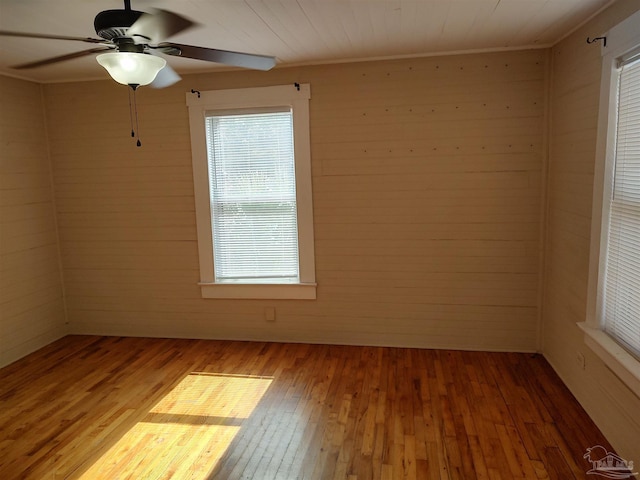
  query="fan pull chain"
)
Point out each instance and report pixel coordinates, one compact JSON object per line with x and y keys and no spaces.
{"x":133,"y":109}
{"x":133,"y":134}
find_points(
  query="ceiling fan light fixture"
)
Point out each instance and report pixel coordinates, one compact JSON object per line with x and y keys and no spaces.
{"x":131,"y":68}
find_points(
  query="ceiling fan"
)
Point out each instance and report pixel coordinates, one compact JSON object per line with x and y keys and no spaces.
{"x":131,"y":42}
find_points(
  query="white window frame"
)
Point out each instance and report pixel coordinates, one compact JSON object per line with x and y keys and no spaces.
{"x":620,"y":40}
{"x":294,"y":96}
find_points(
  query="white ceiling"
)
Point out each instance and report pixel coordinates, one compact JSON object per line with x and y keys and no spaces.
{"x":296,"y":31}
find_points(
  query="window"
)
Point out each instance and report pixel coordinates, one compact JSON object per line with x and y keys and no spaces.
{"x":252,"y":178}
{"x":253,"y":196}
{"x":621,"y":300}
{"x":612,"y":328}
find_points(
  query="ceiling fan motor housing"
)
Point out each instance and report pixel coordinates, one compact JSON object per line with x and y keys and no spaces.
{"x":112,"y":24}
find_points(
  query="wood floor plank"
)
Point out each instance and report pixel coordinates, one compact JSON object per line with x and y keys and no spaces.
{"x":90,"y":408}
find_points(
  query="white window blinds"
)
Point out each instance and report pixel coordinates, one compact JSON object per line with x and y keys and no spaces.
{"x":253,"y":196}
{"x":622,"y":278}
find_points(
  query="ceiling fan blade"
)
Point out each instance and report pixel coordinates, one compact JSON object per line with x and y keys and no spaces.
{"x":158,"y":25}
{"x":50,"y":37}
{"x":237,"y":59}
{"x":165,"y":78}
{"x":61,"y":58}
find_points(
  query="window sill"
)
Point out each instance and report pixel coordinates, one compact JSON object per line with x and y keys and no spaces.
{"x":620,"y":362}
{"x":288,"y":291}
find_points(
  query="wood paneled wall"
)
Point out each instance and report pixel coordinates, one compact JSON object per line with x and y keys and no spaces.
{"x":427,"y":198}
{"x":31,"y":300}
{"x":575,"y":92}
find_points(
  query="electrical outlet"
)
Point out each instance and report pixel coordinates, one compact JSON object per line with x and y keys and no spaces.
{"x":581,"y":360}
{"x":270,"y":314}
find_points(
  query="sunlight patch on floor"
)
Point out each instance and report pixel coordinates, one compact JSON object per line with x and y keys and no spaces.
{"x":185,"y":433}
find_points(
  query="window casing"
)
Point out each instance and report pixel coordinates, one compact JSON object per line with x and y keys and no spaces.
{"x":612,"y":327}
{"x":252,"y":180}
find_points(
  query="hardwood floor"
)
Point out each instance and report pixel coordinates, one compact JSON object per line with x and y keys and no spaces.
{"x":136,"y":408}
